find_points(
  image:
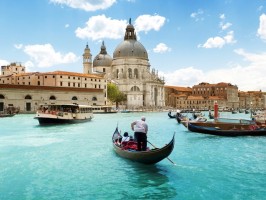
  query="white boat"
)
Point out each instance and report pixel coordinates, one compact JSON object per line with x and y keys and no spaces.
{"x":103,"y":109}
{"x":63,"y":114}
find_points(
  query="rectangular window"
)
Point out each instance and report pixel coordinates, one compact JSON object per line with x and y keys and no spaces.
{"x":68,"y":84}
{"x":61,"y":83}
{"x":39,"y":83}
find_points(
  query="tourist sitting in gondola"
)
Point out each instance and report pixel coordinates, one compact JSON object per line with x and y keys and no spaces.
{"x":125,"y":138}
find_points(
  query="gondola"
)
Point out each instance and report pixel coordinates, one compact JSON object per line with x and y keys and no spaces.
{"x":146,"y":157}
{"x":253,"y":131}
{"x":171,"y":116}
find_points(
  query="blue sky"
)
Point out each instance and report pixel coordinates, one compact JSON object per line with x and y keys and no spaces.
{"x":188,"y":41}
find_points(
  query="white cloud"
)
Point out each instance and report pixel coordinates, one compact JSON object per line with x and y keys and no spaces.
{"x":161,"y":48}
{"x":219,"y":42}
{"x":249,"y":77}
{"x":29,"y":66}
{"x":18,"y":46}
{"x":229,"y":38}
{"x":4,"y":62}
{"x":197,"y":15}
{"x":99,"y":27}
{"x":87,"y":5}
{"x":225,"y":26}
{"x":148,"y":22}
{"x":262,"y":27}
{"x":46,"y":56}
{"x":66,"y":25}
{"x":222,"y":16}
{"x":213,"y":42}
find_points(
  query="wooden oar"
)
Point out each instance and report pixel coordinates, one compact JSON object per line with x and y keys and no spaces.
{"x":167,"y":157}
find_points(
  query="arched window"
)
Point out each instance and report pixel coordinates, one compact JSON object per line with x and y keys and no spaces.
{"x":27,"y":97}
{"x":52,"y":97}
{"x":136,"y":73}
{"x":74,"y":98}
{"x":135,"y":89}
{"x":2,"y":96}
{"x":94,"y":98}
{"x":129,"y":73}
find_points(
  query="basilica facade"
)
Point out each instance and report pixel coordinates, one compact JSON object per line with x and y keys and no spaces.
{"x":130,"y":70}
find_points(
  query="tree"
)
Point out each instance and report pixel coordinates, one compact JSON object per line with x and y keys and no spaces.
{"x":114,"y":94}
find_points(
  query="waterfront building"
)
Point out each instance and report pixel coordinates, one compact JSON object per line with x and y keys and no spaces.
{"x":203,"y":96}
{"x":252,"y":100}
{"x":27,"y":90}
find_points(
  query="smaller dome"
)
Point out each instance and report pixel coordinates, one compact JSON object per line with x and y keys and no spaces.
{"x":102,"y":59}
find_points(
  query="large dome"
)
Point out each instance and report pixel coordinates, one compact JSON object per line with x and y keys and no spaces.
{"x":130,"y":47}
{"x":102,"y":59}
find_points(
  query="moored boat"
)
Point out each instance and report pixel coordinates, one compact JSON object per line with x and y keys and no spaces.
{"x":103,"y":109}
{"x":171,"y":116}
{"x":151,"y":156}
{"x":7,"y":115}
{"x":63,"y":114}
{"x":252,"y":131}
{"x":223,"y":123}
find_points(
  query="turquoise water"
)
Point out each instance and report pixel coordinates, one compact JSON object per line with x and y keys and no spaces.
{"x":77,"y":162}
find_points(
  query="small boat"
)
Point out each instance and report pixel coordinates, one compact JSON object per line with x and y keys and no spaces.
{"x":252,"y":131}
{"x":223,"y":123}
{"x":103,"y":110}
{"x":211,"y":116}
{"x":171,"y":116}
{"x":124,"y":111}
{"x":234,"y":111}
{"x":63,"y":114}
{"x":151,"y":156}
{"x":7,"y":115}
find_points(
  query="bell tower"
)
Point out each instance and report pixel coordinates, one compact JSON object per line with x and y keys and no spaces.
{"x":87,"y":63}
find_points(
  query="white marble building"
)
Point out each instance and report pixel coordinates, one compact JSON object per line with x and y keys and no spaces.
{"x":130,"y":70}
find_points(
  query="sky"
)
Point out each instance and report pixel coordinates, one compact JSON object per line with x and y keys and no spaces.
{"x":188,"y":41}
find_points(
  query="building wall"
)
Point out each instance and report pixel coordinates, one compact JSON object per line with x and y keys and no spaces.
{"x":20,"y":96}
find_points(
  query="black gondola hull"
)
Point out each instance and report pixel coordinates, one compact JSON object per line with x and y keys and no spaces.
{"x":145,"y":157}
{"x":48,"y":121}
{"x":227,"y":133}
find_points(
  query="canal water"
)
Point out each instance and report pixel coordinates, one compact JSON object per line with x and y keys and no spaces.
{"x":77,"y":162}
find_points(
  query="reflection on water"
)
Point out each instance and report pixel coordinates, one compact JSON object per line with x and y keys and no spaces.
{"x":147,"y":182}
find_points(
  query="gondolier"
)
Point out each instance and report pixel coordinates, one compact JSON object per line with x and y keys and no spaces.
{"x":140,"y":129}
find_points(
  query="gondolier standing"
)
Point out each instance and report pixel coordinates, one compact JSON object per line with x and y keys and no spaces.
{"x":140,"y":129}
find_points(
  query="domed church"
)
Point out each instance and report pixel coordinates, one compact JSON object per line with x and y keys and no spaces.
{"x":130,"y":70}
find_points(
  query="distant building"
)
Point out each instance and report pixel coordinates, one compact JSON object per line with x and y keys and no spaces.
{"x":203,"y":96}
{"x":28,"y":90}
{"x":252,"y":100}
